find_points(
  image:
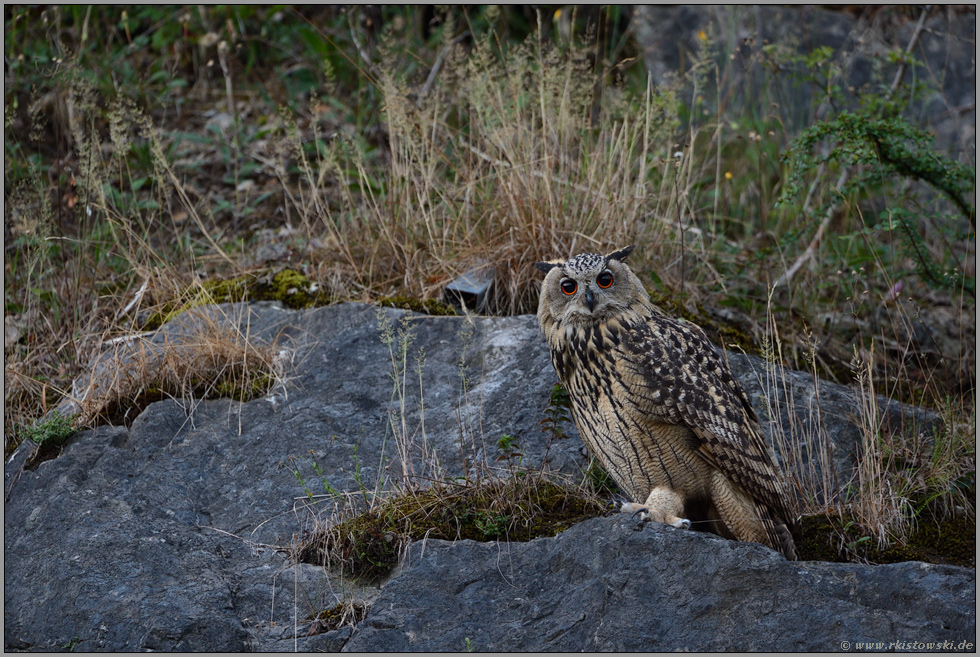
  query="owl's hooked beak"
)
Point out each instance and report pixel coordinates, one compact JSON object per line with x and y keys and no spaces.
{"x":589,"y":299}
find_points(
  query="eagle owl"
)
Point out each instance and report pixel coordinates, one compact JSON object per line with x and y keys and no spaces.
{"x":657,"y":406}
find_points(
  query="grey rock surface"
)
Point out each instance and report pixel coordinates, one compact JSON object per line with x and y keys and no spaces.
{"x":167,"y":535}
{"x":611,"y":585}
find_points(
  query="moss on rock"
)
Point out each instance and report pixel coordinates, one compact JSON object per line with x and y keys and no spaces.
{"x":293,"y":289}
{"x":427,"y":306}
{"x":367,"y":546}
{"x":290,"y":287}
{"x":833,"y":538}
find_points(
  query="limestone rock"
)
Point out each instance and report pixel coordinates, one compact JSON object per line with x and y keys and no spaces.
{"x":611,"y":585}
{"x":167,"y":535}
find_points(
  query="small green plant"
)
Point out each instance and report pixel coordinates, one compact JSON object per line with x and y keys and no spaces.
{"x":509,"y":450}
{"x":71,"y":645}
{"x":492,"y":525}
{"x":556,"y":416}
{"x":368,"y":493}
{"x":597,"y":479}
{"x":51,"y":432}
{"x":294,"y":467}
{"x":854,"y":544}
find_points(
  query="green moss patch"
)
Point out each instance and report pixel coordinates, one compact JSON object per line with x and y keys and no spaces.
{"x":832,"y":538}
{"x":50,"y":434}
{"x":427,"y":306}
{"x":367,"y":546}
{"x":290,"y":287}
{"x":293,"y":289}
{"x":340,"y":615}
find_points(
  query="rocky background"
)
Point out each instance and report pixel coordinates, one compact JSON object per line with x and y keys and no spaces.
{"x":163,"y":536}
{"x":946,"y":41}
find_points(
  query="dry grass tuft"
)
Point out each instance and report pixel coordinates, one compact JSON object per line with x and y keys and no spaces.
{"x":343,"y":614}
{"x":211,"y":359}
{"x":201,"y":354}
{"x":506,"y":162}
{"x":903,"y":476}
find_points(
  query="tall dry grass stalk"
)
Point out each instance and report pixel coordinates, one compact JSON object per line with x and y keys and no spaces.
{"x":80,"y":258}
{"x":879,"y":506}
{"x":802,"y":442}
{"x":921,"y":469}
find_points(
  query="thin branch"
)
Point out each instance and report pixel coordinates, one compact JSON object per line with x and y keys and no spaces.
{"x":908,"y":49}
{"x":437,"y":66}
{"x":815,"y":242}
{"x":360,"y":49}
{"x":811,"y":249}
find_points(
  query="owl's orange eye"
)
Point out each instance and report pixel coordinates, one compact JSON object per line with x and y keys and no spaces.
{"x":604,"y":280}
{"x":568,"y":286}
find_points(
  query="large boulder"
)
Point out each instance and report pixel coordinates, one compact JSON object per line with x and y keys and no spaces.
{"x":613,"y":585}
{"x":171,"y":534}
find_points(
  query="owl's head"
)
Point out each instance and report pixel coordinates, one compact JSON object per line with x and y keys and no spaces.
{"x":587,"y":288}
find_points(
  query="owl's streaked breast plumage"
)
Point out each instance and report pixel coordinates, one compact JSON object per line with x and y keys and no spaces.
{"x":592,"y":365}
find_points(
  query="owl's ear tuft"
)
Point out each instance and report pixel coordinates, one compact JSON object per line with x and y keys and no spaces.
{"x":621,"y":254}
{"x":547,"y":266}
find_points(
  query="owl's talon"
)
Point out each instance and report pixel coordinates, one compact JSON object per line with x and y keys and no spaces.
{"x":642,"y":514}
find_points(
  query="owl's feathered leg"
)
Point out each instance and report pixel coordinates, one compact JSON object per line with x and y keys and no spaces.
{"x":662,"y":505}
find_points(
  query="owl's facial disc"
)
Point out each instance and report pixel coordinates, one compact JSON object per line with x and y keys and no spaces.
{"x":588,"y":292}
{"x":586,"y":288}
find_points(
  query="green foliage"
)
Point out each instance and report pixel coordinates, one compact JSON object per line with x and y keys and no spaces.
{"x":880,"y":150}
{"x":557,"y":414}
{"x":509,"y":448}
{"x":71,"y":644}
{"x":367,"y":545}
{"x":294,"y":467}
{"x":599,"y":480}
{"x":885,"y":146}
{"x":51,"y":432}
{"x":491,"y":524}
{"x":939,"y":274}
